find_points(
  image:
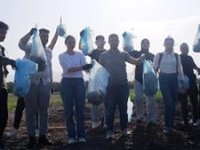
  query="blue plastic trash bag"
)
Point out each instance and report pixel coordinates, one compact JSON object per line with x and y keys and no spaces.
{"x":150,"y":80}
{"x":128,"y":42}
{"x":37,"y":52}
{"x":196,"y":46}
{"x":22,"y":82}
{"x":97,"y":84}
{"x":86,"y":42}
{"x":61,"y":30}
{"x":183,"y":85}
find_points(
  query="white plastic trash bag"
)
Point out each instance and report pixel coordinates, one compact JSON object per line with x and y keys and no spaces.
{"x":22,"y":82}
{"x":97,"y":84}
{"x":128,"y":42}
{"x":183,"y":85}
{"x":196,"y":46}
{"x":37,"y":52}
{"x":150,"y":80}
{"x":86,"y":42}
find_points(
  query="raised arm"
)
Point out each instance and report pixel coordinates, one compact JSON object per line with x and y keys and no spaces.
{"x":53,"y":41}
{"x":24,"y":40}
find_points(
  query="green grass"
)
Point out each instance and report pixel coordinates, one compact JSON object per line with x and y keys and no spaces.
{"x":56,"y":99}
{"x":12,"y":101}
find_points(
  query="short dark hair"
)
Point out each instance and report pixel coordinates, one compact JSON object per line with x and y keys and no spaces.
{"x":143,"y":40}
{"x":69,"y":37}
{"x":3,"y":25}
{"x":169,"y":38}
{"x":100,"y":37}
{"x":44,"y":30}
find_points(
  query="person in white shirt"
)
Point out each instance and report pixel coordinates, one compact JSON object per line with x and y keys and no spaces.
{"x":170,"y":67}
{"x":72,"y":90}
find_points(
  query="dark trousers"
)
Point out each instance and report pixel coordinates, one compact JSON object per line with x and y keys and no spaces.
{"x":117,"y":95}
{"x":19,"y":112}
{"x":3,"y":110}
{"x":193,"y":96}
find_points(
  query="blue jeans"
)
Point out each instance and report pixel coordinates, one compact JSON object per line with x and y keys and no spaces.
{"x":73,"y":94}
{"x":117,"y":95}
{"x":169,"y":90}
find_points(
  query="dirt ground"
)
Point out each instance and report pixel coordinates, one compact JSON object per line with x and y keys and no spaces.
{"x":139,"y":138}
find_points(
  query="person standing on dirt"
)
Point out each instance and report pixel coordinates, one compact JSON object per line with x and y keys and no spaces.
{"x":188,"y":70}
{"x":118,"y":89}
{"x":4,"y":61}
{"x":37,"y":99}
{"x":170,"y":67}
{"x":138,"y":87}
{"x":72,"y":90}
{"x":95,"y":110}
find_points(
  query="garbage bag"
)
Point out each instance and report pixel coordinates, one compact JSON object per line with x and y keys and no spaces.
{"x":22,"y":82}
{"x":37,"y":54}
{"x":183,"y":85}
{"x":128,"y":42}
{"x":97,"y":84}
{"x":61,"y":30}
{"x":196,"y":46}
{"x":150,"y":80}
{"x":86,"y":42}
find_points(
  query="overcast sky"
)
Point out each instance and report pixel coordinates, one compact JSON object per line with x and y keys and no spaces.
{"x":152,"y":19}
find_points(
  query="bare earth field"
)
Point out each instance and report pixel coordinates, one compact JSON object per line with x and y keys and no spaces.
{"x":139,"y":138}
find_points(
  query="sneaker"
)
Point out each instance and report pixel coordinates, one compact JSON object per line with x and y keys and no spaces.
{"x":12,"y":133}
{"x":43,"y":140}
{"x":71,"y":141}
{"x":197,"y":123}
{"x":109,"y":135}
{"x":32,"y":141}
{"x":167,"y":130}
{"x":95,"y":124}
{"x":81,"y":140}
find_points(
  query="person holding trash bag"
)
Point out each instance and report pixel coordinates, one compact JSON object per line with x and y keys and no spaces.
{"x":188,"y":70}
{"x":73,"y":90}
{"x":138,"y":87}
{"x":4,"y":61}
{"x":113,"y":61}
{"x":96,"y":109}
{"x":37,"y":99}
{"x":170,"y":67}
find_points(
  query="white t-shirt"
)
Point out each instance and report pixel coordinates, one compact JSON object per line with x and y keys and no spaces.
{"x":67,"y":61}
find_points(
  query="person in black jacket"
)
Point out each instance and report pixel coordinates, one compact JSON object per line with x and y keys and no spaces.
{"x":188,"y":69}
{"x":138,"y":87}
{"x":4,"y":61}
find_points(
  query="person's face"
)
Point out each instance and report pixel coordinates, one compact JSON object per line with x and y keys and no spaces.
{"x":145,"y":45}
{"x":169,"y":44}
{"x":100,"y":42}
{"x":44,"y":36}
{"x":184,"y":49}
{"x":3,"y":33}
{"x":70,"y":43}
{"x":114,"y":41}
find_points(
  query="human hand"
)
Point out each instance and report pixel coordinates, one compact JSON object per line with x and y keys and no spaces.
{"x":32,"y":31}
{"x":87,"y":66}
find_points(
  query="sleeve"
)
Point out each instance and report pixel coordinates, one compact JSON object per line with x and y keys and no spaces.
{"x":26,"y":48}
{"x":63,"y":63}
{"x":82,"y":59}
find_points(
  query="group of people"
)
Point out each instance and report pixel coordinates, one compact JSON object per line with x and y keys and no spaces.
{"x":169,"y":65}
